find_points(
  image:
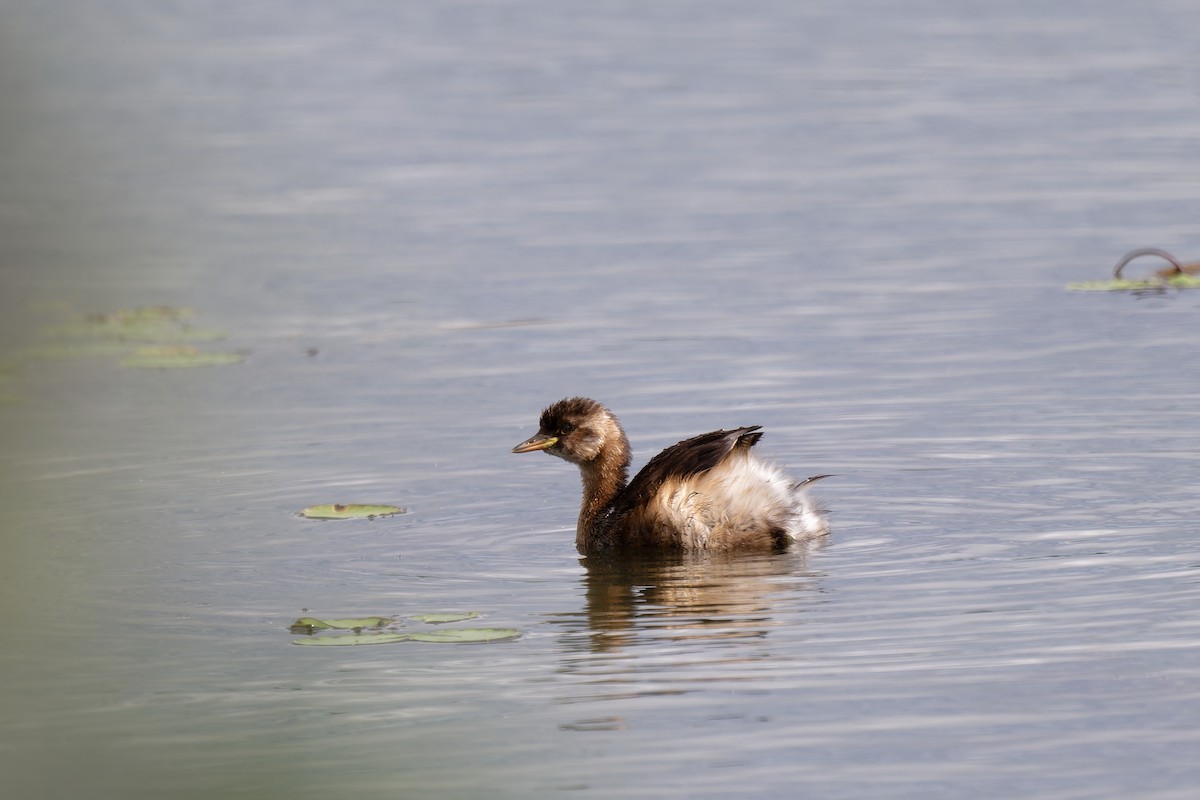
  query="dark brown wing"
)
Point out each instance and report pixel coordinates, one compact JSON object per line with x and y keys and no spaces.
{"x":689,"y":457}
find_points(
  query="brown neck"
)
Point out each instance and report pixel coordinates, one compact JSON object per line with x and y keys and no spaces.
{"x":603,"y":479}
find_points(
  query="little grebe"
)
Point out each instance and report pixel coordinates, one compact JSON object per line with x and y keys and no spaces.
{"x":705,"y":493}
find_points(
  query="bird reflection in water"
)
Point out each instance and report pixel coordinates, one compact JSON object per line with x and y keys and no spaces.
{"x":688,"y":596}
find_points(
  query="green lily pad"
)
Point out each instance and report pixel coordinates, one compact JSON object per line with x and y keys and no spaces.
{"x":312,"y":623}
{"x":176,"y":356}
{"x":72,"y":350}
{"x":147,"y":324}
{"x":440,"y":619}
{"x":1182,"y":281}
{"x":350,"y":511}
{"x":357,"y":639}
{"x":466,"y":635}
{"x":382,"y":630}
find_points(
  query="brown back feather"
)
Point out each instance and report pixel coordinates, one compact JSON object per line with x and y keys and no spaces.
{"x":689,"y":457}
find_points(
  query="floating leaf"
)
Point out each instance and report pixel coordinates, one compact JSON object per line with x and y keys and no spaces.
{"x":312,"y":623}
{"x":466,"y":635}
{"x":147,"y":324}
{"x":439,"y":619}
{"x":349,"y":511}
{"x":361,"y":638}
{"x":72,"y":350}
{"x":176,"y":356}
{"x":1182,"y":281}
{"x":308,"y":624}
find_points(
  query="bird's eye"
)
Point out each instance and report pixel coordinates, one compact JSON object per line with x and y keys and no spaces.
{"x":567,"y":429}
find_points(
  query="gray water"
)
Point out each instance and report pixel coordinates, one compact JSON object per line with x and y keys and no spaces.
{"x":851,"y":223}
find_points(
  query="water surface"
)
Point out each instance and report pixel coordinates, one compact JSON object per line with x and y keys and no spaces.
{"x":849,"y":223}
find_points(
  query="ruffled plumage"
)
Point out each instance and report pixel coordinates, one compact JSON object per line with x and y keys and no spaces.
{"x":709,"y":492}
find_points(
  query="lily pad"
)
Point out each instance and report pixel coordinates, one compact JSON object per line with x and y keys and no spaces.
{"x":1182,"y":281}
{"x":176,"y":356}
{"x":72,"y":349}
{"x":146,"y":324}
{"x":440,"y":619}
{"x":382,"y":630}
{"x":466,"y":635}
{"x":350,"y":511}
{"x":312,"y":623}
{"x":357,"y":639}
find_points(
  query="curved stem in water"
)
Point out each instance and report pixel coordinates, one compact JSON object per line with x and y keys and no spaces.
{"x":1145,"y":251}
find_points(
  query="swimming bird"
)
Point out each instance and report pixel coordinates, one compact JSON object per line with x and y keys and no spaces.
{"x":705,"y":493}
